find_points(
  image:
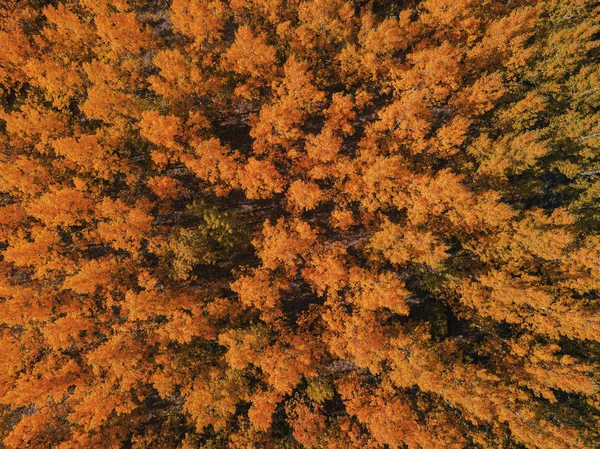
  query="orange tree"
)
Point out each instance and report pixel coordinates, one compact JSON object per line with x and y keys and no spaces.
{"x":317,"y":223}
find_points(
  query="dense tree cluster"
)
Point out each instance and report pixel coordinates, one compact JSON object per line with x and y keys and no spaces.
{"x":305,"y":223}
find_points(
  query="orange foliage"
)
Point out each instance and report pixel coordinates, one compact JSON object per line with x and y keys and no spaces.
{"x":321,"y":223}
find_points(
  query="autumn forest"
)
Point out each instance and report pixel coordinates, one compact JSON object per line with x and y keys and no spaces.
{"x":285,"y":224}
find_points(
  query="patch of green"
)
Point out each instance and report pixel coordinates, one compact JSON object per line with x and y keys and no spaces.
{"x":320,"y":390}
{"x":219,"y":237}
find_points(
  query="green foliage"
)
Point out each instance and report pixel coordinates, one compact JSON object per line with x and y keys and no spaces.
{"x":320,"y":389}
{"x":218,"y":238}
{"x":6,"y":418}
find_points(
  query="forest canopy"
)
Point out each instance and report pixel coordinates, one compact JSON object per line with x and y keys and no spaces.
{"x":274,"y":224}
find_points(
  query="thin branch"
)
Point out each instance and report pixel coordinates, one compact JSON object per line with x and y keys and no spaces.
{"x":589,"y":173}
{"x":589,"y":136}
